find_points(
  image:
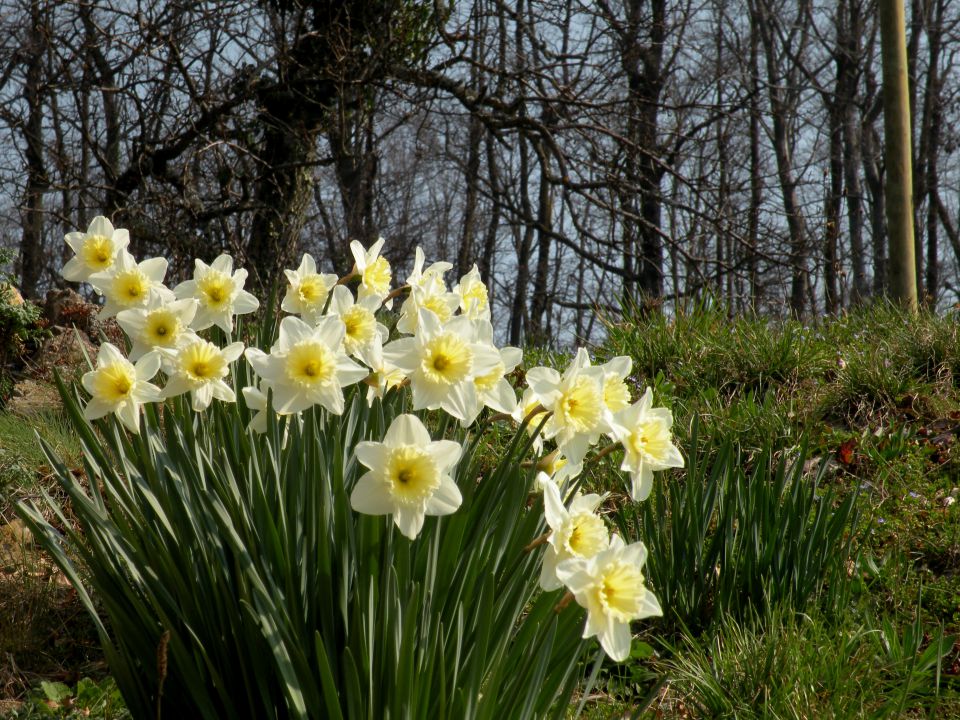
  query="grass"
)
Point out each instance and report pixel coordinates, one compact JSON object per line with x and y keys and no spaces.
{"x":876,"y":396}
{"x":45,"y":635}
{"x":788,"y":665}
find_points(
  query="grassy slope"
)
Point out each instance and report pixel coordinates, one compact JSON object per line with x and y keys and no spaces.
{"x":878,"y":393}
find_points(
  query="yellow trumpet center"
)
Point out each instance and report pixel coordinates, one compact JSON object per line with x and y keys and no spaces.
{"x":131,"y":288}
{"x":98,"y":252}
{"x":311,"y":363}
{"x":377,"y":276}
{"x":412,"y":475}
{"x":114,"y":383}
{"x":447,"y":359}
{"x":215,"y":289}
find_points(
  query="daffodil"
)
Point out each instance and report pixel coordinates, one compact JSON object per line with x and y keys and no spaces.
{"x":118,"y":386}
{"x":442,"y":362}
{"x":219,"y":292}
{"x":374,"y":270}
{"x":529,"y":406}
{"x":577,"y":532}
{"x":129,"y":284}
{"x":363,"y":336}
{"x":428,"y":290}
{"x":472,"y":292}
{"x":576,"y":401}
{"x":644,"y":432}
{"x":610,"y":586}
{"x":160,"y":325}
{"x":493,"y":388}
{"x":96,"y":249}
{"x":441,"y":303}
{"x":307,"y":366}
{"x":559,"y":469}
{"x":409,"y":476}
{"x":429,"y":280}
{"x":616,"y":394}
{"x":200,"y":368}
{"x":382,"y":378}
{"x":307,"y":290}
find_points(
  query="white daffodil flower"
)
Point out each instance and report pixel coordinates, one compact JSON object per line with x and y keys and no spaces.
{"x":428,"y":290}
{"x":529,"y":402}
{"x":129,"y":284}
{"x":409,"y":476}
{"x":430,"y":281}
{"x":256,"y":401}
{"x":472,"y":292}
{"x":576,"y":533}
{"x":610,"y":586}
{"x":118,"y":386}
{"x":441,"y":303}
{"x":644,"y":432}
{"x":364,"y":336}
{"x":558,"y":469}
{"x":382,"y":378}
{"x":576,"y":400}
{"x":159,"y":325}
{"x":493,"y":388}
{"x":219,"y":292}
{"x":96,"y":249}
{"x":373,"y":269}
{"x":307,"y":290}
{"x":307,"y":366}
{"x":616,"y":394}
{"x":200,"y":367}
{"x":442,"y":362}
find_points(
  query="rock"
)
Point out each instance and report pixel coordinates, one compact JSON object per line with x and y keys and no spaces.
{"x":10,"y":294}
{"x":66,"y":308}
{"x":31,"y":397}
{"x":67,"y":352}
{"x":15,"y":540}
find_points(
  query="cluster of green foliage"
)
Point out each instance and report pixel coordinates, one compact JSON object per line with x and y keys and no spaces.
{"x":21,"y":329}
{"x":87,"y":699}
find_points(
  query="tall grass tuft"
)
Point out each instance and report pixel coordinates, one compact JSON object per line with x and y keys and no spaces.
{"x":730,"y":538}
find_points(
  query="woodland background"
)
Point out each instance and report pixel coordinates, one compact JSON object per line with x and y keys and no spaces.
{"x":585,"y":154}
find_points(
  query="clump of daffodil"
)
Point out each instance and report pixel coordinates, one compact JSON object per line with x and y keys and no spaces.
{"x":96,"y":249}
{"x":409,"y":476}
{"x":129,"y":284}
{"x":610,"y":586}
{"x":307,"y":366}
{"x":118,"y":386}
{"x":373,"y":269}
{"x":644,"y":432}
{"x":219,"y":293}
{"x":575,"y":533}
{"x":307,"y":290}
{"x":200,"y":368}
{"x":159,"y":325}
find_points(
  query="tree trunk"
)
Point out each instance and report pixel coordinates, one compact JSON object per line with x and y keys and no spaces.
{"x":896,"y":122}
{"x":31,"y":239}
